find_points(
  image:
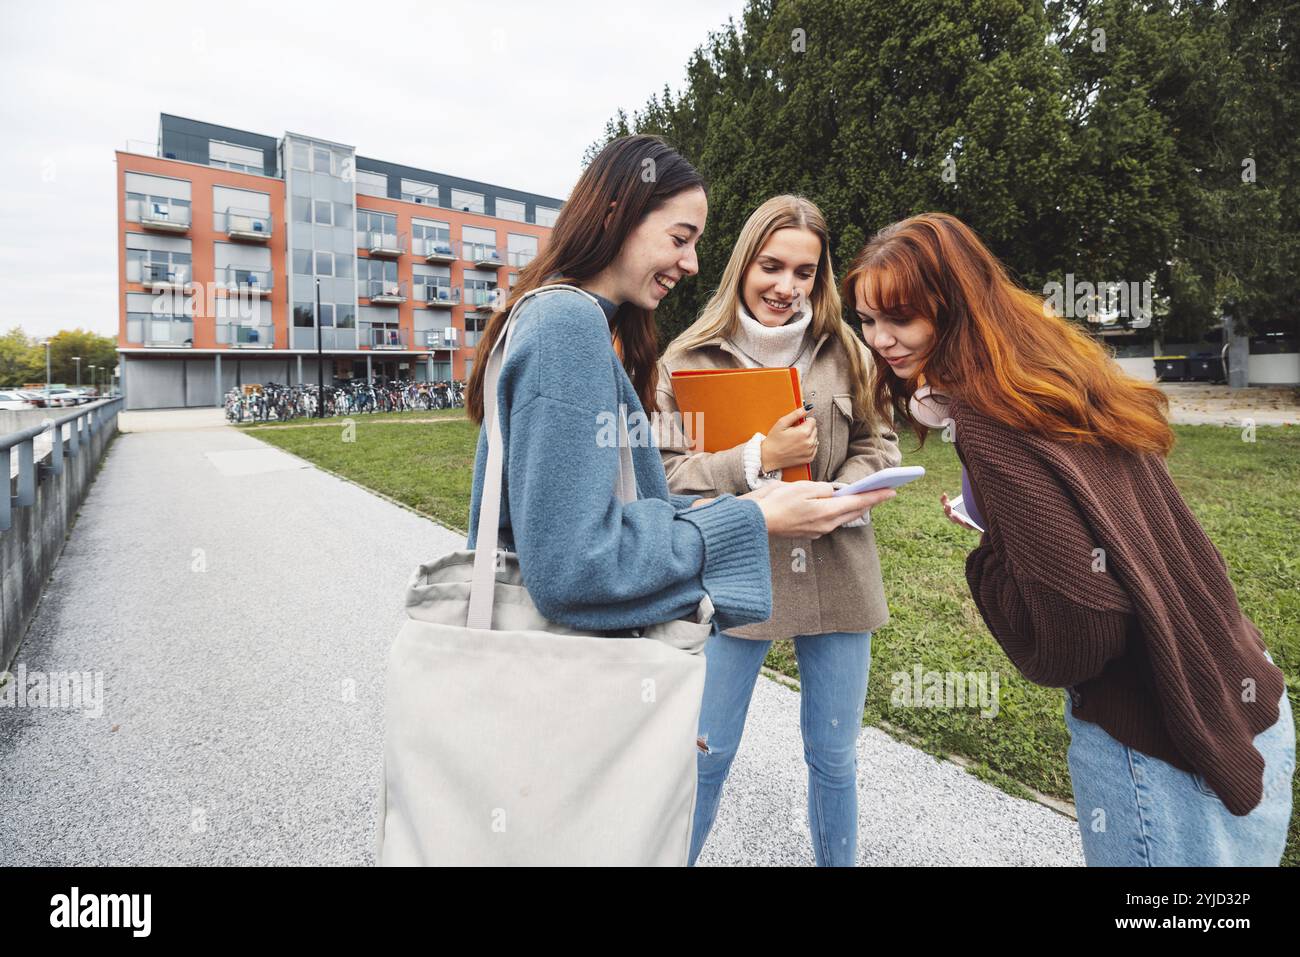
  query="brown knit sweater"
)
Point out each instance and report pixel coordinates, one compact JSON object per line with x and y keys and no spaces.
{"x":1152,"y":645}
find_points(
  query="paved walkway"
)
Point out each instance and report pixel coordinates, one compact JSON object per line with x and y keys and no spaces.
{"x":238,"y":605}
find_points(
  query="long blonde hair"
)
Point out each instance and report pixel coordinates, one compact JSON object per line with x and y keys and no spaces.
{"x":721,"y":315}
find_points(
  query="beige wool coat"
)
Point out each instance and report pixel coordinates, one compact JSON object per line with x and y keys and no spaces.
{"x":822,"y":585}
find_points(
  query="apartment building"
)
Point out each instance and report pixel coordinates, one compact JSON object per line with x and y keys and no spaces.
{"x":242,"y":255}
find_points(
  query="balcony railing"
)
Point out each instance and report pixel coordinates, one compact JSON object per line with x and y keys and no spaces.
{"x":383,"y":292}
{"x":239,"y":335}
{"x":519,"y":260}
{"x":483,"y":255}
{"x":168,"y":333}
{"x":382,"y":244}
{"x":440,"y":250}
{"x":483,"y":300}
{"x":440,"y":297}
{"x":168,"y":217}
{"x":447,"y":338}
{"x":244,"y":224}
{"x":258,"y":282}
{"x":380,"y":337}
{"x":164,"y":275}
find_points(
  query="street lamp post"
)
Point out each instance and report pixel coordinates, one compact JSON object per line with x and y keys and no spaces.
{"x":77,"y":360}
{"x":91,"y":369}
{"x":320,"y":362}
{"x":46,"y":343}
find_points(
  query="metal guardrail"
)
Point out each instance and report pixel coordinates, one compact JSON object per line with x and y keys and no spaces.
{"x":96,"y":414}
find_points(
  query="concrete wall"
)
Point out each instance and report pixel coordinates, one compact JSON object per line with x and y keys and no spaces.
{"x":1141,"y":367}
{"x":1281,"y":368}
{"x":29,"y":549}
{"x":15,"y":420}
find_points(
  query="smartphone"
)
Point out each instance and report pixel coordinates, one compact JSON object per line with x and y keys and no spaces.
{"x":958,"y":506}
{"x":885,"y":478}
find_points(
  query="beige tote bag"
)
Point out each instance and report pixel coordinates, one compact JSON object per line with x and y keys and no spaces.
{"x":510,"y":739}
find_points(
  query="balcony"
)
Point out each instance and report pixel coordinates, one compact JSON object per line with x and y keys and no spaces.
{"x":383,"y":292}
{"x":164,"y":216}
{"x":253,"y":282}
{"x":164,"y":276}
{"x":440,"y":251}
{"x":239,"y":335}
{"x":484,"y":300}
{"x":382,"y":337}
{"x":441,"y":297}
{"x":483,"y":255}
{"x":164,"y":333}
{"x":442,"y":339}
{"x":245,"y":225}
{"x":382,"y":245}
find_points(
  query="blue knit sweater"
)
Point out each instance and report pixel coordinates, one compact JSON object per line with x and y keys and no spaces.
{"x":588,"y":560}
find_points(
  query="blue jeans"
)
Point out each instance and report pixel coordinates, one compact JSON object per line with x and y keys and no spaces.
{"x":833,"y":681}
{"x":1138,"y":811}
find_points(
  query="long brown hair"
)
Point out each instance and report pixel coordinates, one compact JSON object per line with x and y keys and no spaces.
{"x":581,"y":245}
{"x":998,"y":345}
{"x":721,"y":315}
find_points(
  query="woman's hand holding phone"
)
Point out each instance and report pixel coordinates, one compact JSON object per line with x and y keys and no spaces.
{"x":808,"y":510}
{"x":953,"y":517}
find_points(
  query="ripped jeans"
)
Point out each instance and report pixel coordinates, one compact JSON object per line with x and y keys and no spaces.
{"x":833,"y":679}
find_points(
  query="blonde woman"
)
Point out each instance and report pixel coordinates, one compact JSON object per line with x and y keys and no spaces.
{"x":777,"y":306}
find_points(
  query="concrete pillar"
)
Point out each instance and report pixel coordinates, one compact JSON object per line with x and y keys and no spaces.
{"x":299,"y":369}
{"x":370,"y":372}
{"x":217,"y":375}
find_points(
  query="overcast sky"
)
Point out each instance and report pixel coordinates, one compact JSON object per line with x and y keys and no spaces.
{"x":502,"y":91}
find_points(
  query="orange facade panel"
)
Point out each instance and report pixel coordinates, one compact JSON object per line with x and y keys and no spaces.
{"x":203,"y":236}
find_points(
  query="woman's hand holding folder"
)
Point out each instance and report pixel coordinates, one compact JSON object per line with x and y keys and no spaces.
{"x":792,"y":440}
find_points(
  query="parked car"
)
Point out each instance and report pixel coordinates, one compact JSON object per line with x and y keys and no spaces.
{"x":64,"y":398}
{"x":14,"y":401}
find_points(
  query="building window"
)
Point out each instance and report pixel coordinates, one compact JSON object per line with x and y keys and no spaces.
{"x":372,"y":184}
{"x":157,"y":265}
{"x":413,"y":191}
{"x":431,"y":283}
{"x":430,"y":236}
{"x":546,"y":216}
{"x":324,"y":212}
{"x":522,"y":249}
{"x":244,"y":159}
{"x":466,"y":201}
{"x":156,"y":208}
{"x":373,"y":227}
{"x":510,"y":209}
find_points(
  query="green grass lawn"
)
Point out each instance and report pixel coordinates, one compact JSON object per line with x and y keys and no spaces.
{"x":1243,"y":493}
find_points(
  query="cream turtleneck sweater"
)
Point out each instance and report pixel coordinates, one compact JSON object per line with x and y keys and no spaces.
{"x":775,"y":346}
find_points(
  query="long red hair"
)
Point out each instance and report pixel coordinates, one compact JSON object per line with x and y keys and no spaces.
{"x":998,"y":346}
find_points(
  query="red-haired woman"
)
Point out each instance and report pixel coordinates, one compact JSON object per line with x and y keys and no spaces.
{"x":1092,"y":573}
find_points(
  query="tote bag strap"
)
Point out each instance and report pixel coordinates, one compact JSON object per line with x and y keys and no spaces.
{"x":483,"y":584}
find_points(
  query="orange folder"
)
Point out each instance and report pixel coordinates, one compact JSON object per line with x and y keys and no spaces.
{"x":736,"y":403}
